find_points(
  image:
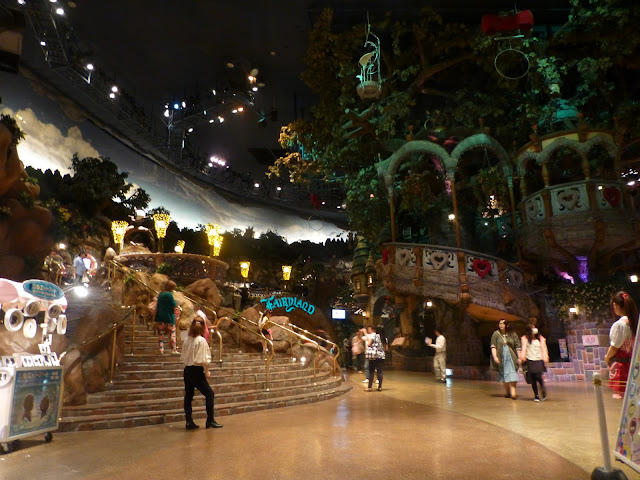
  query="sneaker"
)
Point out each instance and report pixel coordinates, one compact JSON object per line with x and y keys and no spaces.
{"x":617,"y":396}
{"x":379,"y":389}
{"x":175,"y":352}
{"x":366,"y":380}
{"x":377,"y":381}
{"x":537,"y":399}
{"x":367,"y":389}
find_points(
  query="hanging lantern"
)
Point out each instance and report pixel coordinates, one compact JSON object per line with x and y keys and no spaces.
{"x":370,"y":85}
{"x":118,"y":229}
{"x":179,"y":248}
{"x":244,"y":269}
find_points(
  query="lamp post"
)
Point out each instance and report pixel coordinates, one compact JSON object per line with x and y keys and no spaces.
{"x":161,"y":222}
{"x":179,"y":248}
{"x":119,"y":228}
{"x":286,"y":274}
{"x":213,"y":236}
{"x":244,"y":270}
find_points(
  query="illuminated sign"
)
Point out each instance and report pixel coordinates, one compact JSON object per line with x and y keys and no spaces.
{"x":288,"y":303}
{"x":43,"y":290}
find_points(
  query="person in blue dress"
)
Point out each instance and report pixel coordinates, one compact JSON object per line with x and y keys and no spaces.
{"x":505,"y":355}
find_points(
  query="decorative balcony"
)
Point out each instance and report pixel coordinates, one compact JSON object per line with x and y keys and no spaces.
{"x":583,"y":221}
{"x":490,"y":287}
{"x":185,"y":267}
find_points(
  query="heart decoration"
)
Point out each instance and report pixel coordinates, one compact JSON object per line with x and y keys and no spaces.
{"x":569,"y":199}
{"x":438,"y":260}
{"x":532,"y":209}
{"x":481,"y":267}
{"x":612,"y":195}
{"x":403,"y":256}
{"x":515,"y":278}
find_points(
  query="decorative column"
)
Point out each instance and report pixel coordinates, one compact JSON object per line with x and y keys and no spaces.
{"x":392,"y":214}
{"x":451,"y":176}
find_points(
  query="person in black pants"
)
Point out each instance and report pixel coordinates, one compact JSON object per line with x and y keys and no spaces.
{"x":196,"y":357}
{"x":376,"y":348}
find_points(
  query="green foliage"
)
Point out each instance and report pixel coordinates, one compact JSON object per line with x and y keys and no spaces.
{"x":17,"y":135}
{"x":493,"y":182}
{"x":591,"y":298}
{"x":164,"y":268}
{"x":368,"y":214}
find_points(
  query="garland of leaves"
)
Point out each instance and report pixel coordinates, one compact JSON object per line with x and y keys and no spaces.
{"x":8,"y":121}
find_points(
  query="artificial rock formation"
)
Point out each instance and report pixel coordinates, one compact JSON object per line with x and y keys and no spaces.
{"x":23,"y":226}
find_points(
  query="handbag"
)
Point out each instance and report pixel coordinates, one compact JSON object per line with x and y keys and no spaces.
{"x":375,"y":351}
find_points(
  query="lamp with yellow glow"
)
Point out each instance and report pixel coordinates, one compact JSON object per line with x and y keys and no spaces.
{"x":244,"y":270}
{"x":179,"y":248}
{"x":161,"y":222}
{"x":213,"y":231}
{"x":286,"y":272}
{"x":119,"y":228}
{"x":217,"y":245}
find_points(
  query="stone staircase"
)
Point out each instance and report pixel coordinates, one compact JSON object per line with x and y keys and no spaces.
{"x":148,"y":388}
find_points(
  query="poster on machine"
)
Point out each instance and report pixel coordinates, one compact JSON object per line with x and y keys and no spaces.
{"x":36,"y":400}
{"x":627,"y":447}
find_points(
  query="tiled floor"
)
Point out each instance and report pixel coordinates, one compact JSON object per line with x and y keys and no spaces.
{"x":414,"y":429}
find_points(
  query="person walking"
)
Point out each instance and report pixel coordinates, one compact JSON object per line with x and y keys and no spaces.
{"x":622,"y":337}
{"x":165,"y":316}
{"x":440,"y":358}
{"x":196,"y":356}
{"x":79,"y":268}
{"x":357,"y":350}
{"x":505,"y":354}
{"x":534,"y":357}
{"x":376,"y":346}
{"x":368,"y":335}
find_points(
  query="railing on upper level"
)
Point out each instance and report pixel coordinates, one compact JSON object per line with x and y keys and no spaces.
{"x":604,"y":196}
{"x":456,"y":275}
{"x":183,"y":266}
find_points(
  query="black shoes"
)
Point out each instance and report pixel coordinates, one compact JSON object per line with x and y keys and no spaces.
{"x":213,"y":424}
{"x":191,"y":425}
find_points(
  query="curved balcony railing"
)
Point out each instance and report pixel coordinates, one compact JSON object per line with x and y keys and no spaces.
{"x":181,"y":266}
{"x":603,"y":196}
{"x":456,"y":275}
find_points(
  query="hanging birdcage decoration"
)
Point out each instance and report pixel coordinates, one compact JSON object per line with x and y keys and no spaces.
{"x":370,"y":85}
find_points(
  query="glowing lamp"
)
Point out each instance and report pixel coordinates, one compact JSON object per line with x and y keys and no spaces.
{"x":118,"y":229}
{"x":286,"y":272}
{"x":244,"y":269}
{"x":213,"y":232}
{"x":217,"y":245}
{"x":179,"y":248}
{"x":161,"y":223}
{"x":633,"y":278}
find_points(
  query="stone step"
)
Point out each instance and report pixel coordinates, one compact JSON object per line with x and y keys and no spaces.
{"x":176,"y":388}
{"x":220,"y":376}
{"x":135,"y":419}
{"x":172,"y":363}
{"x":168,"y":357}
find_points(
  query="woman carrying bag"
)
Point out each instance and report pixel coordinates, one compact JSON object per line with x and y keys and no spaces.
{"x":376,"y":347}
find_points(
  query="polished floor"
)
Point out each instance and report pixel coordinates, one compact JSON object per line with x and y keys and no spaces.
{"x":415,"y":428}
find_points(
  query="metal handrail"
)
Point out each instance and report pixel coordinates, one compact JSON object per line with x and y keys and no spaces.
{"x":337,"y":348}
{"x":113,"y":329}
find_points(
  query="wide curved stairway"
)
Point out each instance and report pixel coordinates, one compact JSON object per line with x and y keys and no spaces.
{"x":148,"y":388}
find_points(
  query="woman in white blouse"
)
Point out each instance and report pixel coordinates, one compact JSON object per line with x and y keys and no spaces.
{"x":535,"y":356}
{"x":196,"y":357}
{"x":622,"y":337}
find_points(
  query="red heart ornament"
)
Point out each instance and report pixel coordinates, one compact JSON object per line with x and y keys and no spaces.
{"x":482,"y":267}
{"x":612,"y":195}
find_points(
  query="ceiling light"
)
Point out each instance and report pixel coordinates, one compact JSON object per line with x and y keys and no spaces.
{"x":234,"y":110}
{"x":176,"y":106}
{"x":43,"y":43}
{"x":257,"y":185}
{"x":190,"y":130}
{"x":241,"y":109}
{"x":60,"y":11}
{"x":112,"y":95}
{"x":221,"y":119}
{"x":21,"y":2}
{"x":53,"y":1}
{"x":254,"y":72}
{"x":214,"y":91}
{"x":251,"y":78}
{"x":184,"y":104}
{"x":89,"y":66}
{"x":211,"y":121}
{"x":278,"y":188}
{"x":114,"y":89}
{"x":255,"y":89}
{"x":166,"y":113}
